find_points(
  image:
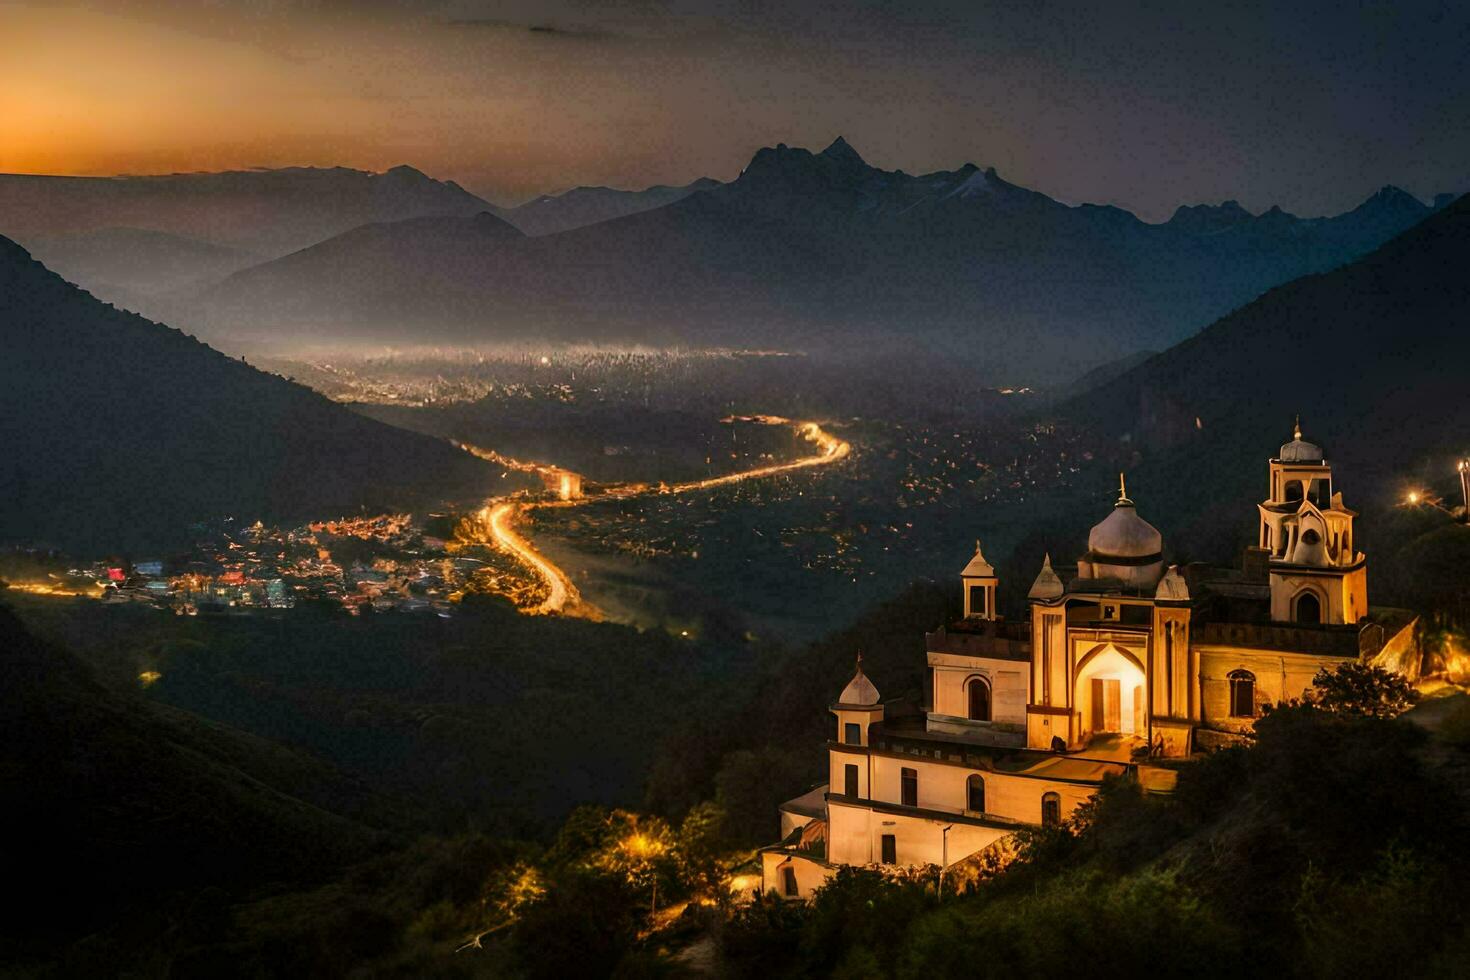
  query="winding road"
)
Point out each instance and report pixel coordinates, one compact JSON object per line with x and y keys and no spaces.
{"x":497,"y":519}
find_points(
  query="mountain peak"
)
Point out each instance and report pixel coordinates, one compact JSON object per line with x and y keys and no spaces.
{"x":1208,"y":218}
{"x":404,"y":172}
{"x":841,"y":151}
{"x":1390,"y":197}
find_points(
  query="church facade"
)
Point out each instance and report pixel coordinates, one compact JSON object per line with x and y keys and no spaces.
{"x":1120,"y":665}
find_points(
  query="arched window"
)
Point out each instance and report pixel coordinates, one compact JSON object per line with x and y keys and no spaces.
{"x":1051,"y":810}
{"x":1308,"y":608}
{"x":979,"y":692}
{"x":975,"y":794}
{"x":1242,"y":694}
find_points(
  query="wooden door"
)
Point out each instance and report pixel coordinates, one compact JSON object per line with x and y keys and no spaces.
{"x":1107,"y":705}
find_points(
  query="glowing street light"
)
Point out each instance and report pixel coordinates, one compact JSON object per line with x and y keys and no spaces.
{"x":1415,"y":498}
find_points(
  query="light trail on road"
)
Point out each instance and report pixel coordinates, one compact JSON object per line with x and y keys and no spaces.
{"x":500,"y":519}
{"x":831,"y":449}
{"x":499,"y":515}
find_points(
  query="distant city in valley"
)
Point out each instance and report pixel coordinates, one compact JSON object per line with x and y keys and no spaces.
{"x":791,"y":491}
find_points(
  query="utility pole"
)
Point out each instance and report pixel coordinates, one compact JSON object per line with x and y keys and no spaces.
{"x":1464,"y":467}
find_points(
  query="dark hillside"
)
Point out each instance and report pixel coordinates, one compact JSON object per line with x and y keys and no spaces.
{"x":114,"y":804}
{"x":118,"y":432}
{"x":1374,"y":356}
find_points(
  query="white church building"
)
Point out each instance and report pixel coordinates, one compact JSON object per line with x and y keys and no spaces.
{"x":1119,"y":666}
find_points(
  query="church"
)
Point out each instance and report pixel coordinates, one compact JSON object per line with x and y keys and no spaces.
{"x":1121,"y":665}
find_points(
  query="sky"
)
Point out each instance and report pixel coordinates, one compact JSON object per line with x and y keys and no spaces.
{"x":1143,"y":105}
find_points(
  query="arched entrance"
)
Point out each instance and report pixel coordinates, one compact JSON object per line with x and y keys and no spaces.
{"x":1110,"y":692}
{"x":978,"y":694}
{"x":1308,"y":608}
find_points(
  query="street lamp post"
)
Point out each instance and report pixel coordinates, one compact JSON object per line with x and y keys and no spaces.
{"x":943,"y":857}
{"x":1464,"y":467}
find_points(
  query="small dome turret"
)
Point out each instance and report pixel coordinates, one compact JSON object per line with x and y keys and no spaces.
{"x":1048,"y":584}
{"x":859,"y":691}
{"x":980,"y":582}
{"x":1172,"y":587}
{"x":978,"y":566}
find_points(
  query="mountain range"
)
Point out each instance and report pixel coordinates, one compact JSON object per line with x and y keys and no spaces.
{"x":266,"y":212}
{"x":120,"y":432}
{"x":581,"y":206}
{"x":803,"y":250}
{"x":126,"y":264}
{"x":806,"y":250}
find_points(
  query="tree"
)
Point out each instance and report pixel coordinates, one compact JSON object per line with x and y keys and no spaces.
{"x":581,"y":927}
{"x":698,"y":849}
{"x":867,"y":908}
{"x":1362,"y":689}
{"x":641,"y":853}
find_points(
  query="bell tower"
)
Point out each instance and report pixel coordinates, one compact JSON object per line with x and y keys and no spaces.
{"x":1317,"y":576}
{"x":980,"y":581}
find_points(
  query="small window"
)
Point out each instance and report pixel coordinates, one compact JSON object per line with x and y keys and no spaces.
{"x":1308,"y":608}
{"x":890,"y":849}
{"x":788,"y":882}
{"x":910,"y":787}
{"x":975,"y":794}
{"x":1051,"y":810}
{"x":977,"y":601}
{"x":850,"y":781}
{"x":1137,"y":616}
{"x":979,"y":700}
{"x":1242,"y":694}
{"x":852,"y":733}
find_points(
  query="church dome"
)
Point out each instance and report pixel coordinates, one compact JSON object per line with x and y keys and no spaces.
{"x":1299,"y":450}
{"x":1123,"y":534}
{"x":1124,"y":548}
{"x":859,"y":690}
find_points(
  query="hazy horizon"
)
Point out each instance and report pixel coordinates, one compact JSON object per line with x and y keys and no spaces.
{"x":513,"y":100}
{"x":1425,"y":194}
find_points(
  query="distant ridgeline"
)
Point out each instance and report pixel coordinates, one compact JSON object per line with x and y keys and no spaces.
{"x":803,"y":251}
{"x":119,"y":432}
